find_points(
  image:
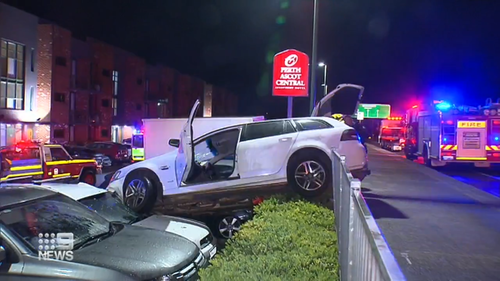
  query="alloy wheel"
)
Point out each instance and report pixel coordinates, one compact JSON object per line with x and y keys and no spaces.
{"x":310,"y":175}
{"x":135,"y":193}
{"x":228,"y":226}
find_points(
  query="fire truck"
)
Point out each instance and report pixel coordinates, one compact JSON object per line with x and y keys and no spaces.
{"x":391,"y":135}
{"x":38,"y":163}
{"x":444,"y":133}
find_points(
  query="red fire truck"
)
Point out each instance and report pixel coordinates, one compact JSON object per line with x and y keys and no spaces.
{"x":391,"y":135}
{"x":445,"y":133}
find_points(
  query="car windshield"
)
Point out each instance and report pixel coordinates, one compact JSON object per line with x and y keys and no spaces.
{"x":108,"y":206}
{"x":138,"y":141}
{"x":53,"y":215}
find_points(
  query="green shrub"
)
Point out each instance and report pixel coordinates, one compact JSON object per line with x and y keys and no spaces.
{"x":286,"y":240}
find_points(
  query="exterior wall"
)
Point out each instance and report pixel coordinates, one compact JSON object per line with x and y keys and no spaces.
{"x":21,"y":28}
{"x":101,"y":111}
{"x":134,"y":92}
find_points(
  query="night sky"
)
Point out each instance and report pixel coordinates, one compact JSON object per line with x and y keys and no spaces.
{"x":400,"y":50}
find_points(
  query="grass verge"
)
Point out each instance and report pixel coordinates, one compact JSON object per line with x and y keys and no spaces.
{"x":288,"y":239}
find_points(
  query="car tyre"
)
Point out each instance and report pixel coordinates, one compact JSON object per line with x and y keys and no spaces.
{"x":88,"y":176}
{"x":228,"y":226}
{"x":313,"y":182}
{"x":139,"y":192}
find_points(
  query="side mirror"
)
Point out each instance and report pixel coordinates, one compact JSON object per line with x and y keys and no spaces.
{"x":3,"y":254}
{"x":174,"y":142}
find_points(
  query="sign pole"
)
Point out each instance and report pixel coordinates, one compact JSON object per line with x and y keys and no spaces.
{"x":289,"y":111}
{"x":314,"y":62}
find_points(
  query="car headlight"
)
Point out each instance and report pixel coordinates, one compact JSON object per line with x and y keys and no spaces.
{"x":116,"y":176}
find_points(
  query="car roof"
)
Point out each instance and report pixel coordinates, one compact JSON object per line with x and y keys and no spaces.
{"x":76,"y":191}
{"x":13,"y":194}
{"x":330,"y":120}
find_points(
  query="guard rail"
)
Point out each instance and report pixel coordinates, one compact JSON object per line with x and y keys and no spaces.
{"x":364,"y":255}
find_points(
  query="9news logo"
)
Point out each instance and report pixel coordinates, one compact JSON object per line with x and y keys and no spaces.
{"x":56,"y":246}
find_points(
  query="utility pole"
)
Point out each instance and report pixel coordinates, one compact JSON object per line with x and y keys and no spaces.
{"x":314,"y":63}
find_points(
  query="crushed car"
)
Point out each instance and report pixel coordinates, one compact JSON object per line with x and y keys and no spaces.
{"x":106,"y":205}
{"x":255,"y":156}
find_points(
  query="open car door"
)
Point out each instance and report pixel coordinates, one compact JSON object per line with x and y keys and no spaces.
{"x":343,"y":100}
{"x":184,"y":161}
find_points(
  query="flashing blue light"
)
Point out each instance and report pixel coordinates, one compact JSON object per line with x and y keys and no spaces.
{"x":443,"y":106}
{"x":496,"y":138}
{"x":445,"y":139}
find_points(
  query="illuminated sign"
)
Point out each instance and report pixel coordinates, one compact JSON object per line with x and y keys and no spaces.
{"x":291,"y":74}
{"x":471,"y":124}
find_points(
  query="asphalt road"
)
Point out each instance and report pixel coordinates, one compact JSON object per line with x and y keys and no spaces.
{"x":438,"y":227}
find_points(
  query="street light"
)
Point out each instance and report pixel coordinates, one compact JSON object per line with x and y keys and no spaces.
{"x":324,"y":85}
{"x":312,"y":99}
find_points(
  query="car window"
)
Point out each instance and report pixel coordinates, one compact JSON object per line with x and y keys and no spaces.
{"x":266,"y":129}
{"x":107,"y":146}
{"x":108,"y":206}
{"x":58,"y":154}
{"x":52,"y":215}
{"x":306,"y":125}
{"x":93,"y":146}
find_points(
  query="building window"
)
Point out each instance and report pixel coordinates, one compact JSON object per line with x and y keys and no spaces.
{"x":105,"y":103}
{"x":115,"y":106}
{"x":61,"y":61}
{"x":11,"y":75}
{"x":115,"y":83}
{"x":32,"y":98}
{"x":60,"y":97}
{"x":32,"y":63}
{"x":147,"y":85}
{"x":138,"y":106}
{"x":162,"y":110}
{"x":139,"y":81}
{"x":59,"y":133}
{"x":105,"y":73}
{"x":104,"y":133}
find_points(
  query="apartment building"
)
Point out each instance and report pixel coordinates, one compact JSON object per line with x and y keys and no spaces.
{"x":60,"y":88}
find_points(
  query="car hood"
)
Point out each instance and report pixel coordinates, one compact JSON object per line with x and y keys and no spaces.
{"x":140,"y":252}
{"x":192,"y":230}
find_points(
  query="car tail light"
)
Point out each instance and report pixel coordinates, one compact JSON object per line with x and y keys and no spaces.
{"x":402,"y":141}
{"x":349,"y":134}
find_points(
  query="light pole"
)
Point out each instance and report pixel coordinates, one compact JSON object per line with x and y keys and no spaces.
{"x":314,"y":60}
{"x":325,"y":86}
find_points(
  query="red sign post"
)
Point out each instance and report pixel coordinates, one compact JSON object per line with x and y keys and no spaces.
{"x":291,"y":74}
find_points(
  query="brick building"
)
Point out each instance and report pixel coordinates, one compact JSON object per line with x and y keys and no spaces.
{"x":56,"y":87}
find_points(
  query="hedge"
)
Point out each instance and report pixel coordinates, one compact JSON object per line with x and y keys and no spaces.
{"x":286,"y":240}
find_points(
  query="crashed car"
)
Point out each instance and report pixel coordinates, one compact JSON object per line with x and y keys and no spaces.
{"x":106,"y":205}
{"x":295,"y":151}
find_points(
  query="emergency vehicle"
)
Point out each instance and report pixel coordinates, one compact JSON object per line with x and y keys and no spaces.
{"x":444,"y":133}
{"x":137,"y":143}
{"x":36,"y":162}
{"x":391,"y":135}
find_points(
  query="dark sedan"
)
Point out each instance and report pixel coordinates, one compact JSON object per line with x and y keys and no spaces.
{"x":43,"y":232}
{"x":82,"y":152}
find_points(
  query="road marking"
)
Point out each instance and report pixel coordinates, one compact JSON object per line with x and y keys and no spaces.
{"x":406,"y":257}
{"x":490,"y":176}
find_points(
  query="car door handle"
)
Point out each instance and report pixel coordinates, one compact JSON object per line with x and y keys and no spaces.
{"x":285,"y":139}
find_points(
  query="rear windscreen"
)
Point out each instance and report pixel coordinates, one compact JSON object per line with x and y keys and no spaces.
{"x":138,"y":141}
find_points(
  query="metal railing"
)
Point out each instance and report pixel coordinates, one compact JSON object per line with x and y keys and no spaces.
{"x":364,"y":254}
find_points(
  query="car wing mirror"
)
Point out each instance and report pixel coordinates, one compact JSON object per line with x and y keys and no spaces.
{"x":3,"y":254}
{"x":174,"y":142}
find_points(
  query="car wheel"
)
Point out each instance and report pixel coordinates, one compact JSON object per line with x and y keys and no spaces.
{"x":228,"y":226}
{"x":139,"y":193}
{"x":88,"y":176}
{"x":309,"y":176}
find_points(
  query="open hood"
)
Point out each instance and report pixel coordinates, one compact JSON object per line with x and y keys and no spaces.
{"x":343,"y":100}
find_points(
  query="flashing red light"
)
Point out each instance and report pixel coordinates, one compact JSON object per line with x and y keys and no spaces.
{"x":449,"y":122}
{"x":496,"y":154}
{"x":415,"y":106}
{"x":496,"y":122}
{"x":395,"y":118}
